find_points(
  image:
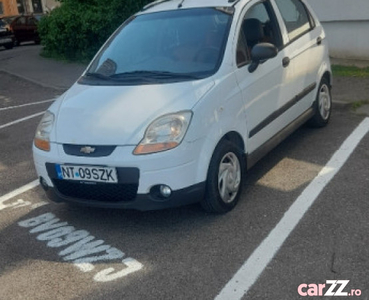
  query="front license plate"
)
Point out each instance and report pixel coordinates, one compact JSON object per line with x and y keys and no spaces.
{"x":87,"y":173}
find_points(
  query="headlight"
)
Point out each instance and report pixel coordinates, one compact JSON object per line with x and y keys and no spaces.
{"x":42,"y":137}
{"x":165,"y":133}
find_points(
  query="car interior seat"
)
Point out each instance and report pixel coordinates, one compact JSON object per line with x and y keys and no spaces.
{"x":254,"y":32}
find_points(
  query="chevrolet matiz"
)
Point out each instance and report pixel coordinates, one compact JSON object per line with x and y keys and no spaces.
{"x":182,"y":99}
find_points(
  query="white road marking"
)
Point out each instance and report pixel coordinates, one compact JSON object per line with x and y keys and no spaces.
{"x":131,"y":266}
{"x":21,"y":120}
{"x":82,"y":249}
{"x":27,"y":104}
{"x":250,"y":271}
{"x":15,"y":193}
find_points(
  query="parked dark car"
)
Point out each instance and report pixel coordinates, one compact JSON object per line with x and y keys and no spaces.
{"x":9,"y":19}
{"x":25,"y":29}
{"x":6,"y":35}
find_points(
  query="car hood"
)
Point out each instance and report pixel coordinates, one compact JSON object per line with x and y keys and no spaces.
{"x":119,"y":115}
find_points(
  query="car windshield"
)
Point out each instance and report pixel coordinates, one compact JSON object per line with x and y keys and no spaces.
{"x":165,"y":46}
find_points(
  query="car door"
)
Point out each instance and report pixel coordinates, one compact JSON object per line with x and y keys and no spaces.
{"x":304,"y":53}
{"x":19,"y":28}
{"x":266,"y":91}
{"x":32,"y":34}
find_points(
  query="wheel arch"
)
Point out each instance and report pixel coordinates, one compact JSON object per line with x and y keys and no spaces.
{"x":211,"y":144}
{"x":327,"y":75}
{"x":235,"y":138}
{"x":228,"y":151}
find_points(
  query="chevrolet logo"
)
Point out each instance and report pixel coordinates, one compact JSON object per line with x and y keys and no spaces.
{"x":87,"y":150}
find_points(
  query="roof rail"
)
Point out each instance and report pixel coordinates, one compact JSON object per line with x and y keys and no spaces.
{"x":157,"y":2}
{"x":180,"y":4}
{"x":152,"y":4}
{"x":233,"y":1}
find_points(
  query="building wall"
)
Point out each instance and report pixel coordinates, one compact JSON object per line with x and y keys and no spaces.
{"x":9,"y":7}
{"x":49,"y":5}
{"x":347,"y":26}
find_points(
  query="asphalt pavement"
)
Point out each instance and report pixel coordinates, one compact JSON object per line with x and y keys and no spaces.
{"x":29,"y":65}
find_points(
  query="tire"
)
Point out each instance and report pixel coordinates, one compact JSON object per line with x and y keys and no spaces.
{"x":8,"y":46}
{"x":227,"y":163}
{"x":322,"y":105}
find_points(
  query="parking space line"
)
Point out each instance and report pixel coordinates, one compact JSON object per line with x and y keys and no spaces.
{"x":21,"y":120}
{"x":253,"y":267}
{"x":17,"y":192}
{"x":27,"y":104}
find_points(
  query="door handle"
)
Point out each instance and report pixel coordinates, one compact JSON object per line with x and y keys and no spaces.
{"x":319,"y":40}
{"x":285,"y":62}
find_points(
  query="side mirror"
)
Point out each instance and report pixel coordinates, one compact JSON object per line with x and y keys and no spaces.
{"x":261,"y":52}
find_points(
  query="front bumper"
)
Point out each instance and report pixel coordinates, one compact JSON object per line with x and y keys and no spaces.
{"x":6,"y":40}
{"x":143,"y":202}
{"x":181,"y":169}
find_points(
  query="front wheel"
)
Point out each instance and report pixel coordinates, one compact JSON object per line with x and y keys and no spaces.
{"x":225,"y":178}
{"x":322,"y":105}
{"x":8,"y":46}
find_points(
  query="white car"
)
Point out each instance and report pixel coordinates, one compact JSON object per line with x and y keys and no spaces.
{"x":181,"y":101}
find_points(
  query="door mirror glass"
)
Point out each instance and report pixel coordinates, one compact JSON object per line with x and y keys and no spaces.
{"x":262,"y":52}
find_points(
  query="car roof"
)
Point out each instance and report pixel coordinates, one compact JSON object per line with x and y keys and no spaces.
{"x":163,"y":5}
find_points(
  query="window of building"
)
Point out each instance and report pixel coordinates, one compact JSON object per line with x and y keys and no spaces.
{"x":20,"y":6}
{"x":37,"y":6}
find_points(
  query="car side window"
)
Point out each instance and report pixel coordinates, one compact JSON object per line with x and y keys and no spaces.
{"x":258,"y":26}
{"x":21,"y":21}
{"x":295,"y":16}
{"x":32,"y":21}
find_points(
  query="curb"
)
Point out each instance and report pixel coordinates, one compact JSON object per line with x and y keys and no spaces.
{"x":341,"y":103}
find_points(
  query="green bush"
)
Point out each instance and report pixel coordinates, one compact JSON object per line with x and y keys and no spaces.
{"x":78,"y":28}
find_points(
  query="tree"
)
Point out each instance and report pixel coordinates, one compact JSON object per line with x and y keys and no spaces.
{"x":78,"y":28}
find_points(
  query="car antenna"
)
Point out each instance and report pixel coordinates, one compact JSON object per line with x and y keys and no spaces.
{"x":180,"y":4}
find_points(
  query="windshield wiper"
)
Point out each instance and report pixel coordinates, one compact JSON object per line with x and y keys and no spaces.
{"x":148,"y":77}
{"x":155,"y":74}
{"x":112,"y":77}
{"x":98,"y":75}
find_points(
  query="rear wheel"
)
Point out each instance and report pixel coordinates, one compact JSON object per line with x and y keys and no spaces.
{"x":225,"y":177}
{"x":322,"y":105}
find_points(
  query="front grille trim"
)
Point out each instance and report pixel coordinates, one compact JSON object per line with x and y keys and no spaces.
{"x":99,"y":151}
{"x":101,"y":192}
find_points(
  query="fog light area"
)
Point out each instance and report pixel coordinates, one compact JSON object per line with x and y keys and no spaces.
{"x":165,"y":191}
{"x":161,"y":192}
